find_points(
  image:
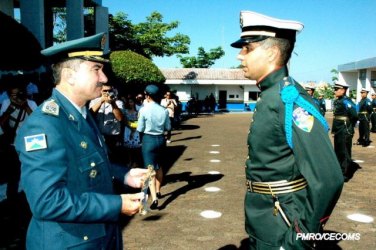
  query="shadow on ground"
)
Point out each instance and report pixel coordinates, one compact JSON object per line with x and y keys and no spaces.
{"x":193,"y":182}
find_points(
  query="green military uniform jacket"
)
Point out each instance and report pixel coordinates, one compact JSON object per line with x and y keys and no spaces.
{"x":270,"y":158}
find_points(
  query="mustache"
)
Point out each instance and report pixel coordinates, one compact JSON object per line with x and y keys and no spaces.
{"x":99,"y":84}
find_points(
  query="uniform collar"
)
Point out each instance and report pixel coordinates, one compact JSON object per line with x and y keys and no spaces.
{"x":273,"y":78}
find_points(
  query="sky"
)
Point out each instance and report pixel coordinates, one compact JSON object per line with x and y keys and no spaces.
{"x":335,"y":31}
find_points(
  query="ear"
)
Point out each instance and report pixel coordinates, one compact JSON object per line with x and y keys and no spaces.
{"x":274,"y":54}
{"x":68,"y":75}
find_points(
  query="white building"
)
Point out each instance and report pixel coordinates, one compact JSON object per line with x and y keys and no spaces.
{"x":359,"y":74}
{"x":230,"y":88}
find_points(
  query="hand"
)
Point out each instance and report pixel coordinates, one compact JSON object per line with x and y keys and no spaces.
{"x":135,"y":177}
{"x":131,"y":203}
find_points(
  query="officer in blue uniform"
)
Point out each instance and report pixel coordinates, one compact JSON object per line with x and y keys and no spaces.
{"x":364,"y":115}
{"x":373,"y":115}
{"x":66,"y":174}
{"x":320,"y":103}
{"x":292,"y":174}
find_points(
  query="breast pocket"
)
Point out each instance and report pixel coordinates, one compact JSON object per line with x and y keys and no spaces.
{"x":92,"y":169}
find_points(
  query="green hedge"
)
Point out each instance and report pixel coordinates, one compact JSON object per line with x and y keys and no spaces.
{"x":134,"y":71}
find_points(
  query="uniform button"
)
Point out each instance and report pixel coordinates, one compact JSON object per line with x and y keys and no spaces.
{"x":86,"y":237}
{"x":83,"y":144}
{"x":92,"y":164}
{"x":248,"y":157}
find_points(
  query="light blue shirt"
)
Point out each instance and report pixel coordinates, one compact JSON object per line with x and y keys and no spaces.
{"x":153,"y":119}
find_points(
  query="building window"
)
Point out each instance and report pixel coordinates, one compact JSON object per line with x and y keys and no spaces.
{"x":253,"y":96}
{"x":231,"y":96}
{"x":373,"y":79}
{"x":362,"y":74}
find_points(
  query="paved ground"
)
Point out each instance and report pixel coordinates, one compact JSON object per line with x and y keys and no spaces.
{"x":218,"y":143}
{"x":208,"y":153}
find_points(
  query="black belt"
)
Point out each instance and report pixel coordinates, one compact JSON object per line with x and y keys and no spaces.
{"x":276,"y":187}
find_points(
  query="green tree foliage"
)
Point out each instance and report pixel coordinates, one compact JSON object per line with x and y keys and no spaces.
{"x":335,"y":75}
{"x":133,"y":71}
{"x":203,"y":60}
{"x":147,"y":38}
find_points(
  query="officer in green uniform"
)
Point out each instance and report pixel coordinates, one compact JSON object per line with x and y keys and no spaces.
{"x":344,"y":121}
{"x":66,"y":173}
{"x":373,"y":115}
{"x":292,"y":174}
{"x":364,"y":115}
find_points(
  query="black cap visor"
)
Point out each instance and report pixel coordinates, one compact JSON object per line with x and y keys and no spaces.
{"x":246,"y":40}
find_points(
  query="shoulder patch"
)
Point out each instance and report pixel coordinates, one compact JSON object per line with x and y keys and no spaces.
{"x":50,"y":107}
{"x":303,"y":119}
{"x":35,"y":142}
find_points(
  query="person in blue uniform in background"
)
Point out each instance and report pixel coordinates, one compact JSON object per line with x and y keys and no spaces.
{"x":364,"y":117}
{"x":153,"y":122}
{"x":293,"y":177}
{"x":345,"y":118}
{"x":66,"y":173}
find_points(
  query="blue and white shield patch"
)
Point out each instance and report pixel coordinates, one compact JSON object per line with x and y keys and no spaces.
{"x":303,"y":119}
{"x":35,"y":142}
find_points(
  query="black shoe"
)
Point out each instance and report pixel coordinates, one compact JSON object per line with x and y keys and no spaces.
{"x":154,"y":205}
{"x":159,"y":195}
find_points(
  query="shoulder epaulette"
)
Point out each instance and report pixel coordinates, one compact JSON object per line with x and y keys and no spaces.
{"x":50,"y":107}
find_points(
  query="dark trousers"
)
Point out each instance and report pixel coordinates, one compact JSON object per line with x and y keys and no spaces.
{"x":364,"y":131}
{"x":342,"y":148}
{"x":373,"y":122}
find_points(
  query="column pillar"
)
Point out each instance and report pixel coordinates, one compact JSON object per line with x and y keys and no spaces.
{"x":32,"y":17}
{"x":75,"y":19}
{"x":101,"y":23}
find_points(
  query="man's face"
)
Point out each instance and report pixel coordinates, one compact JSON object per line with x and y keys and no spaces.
{"x":338,"y":92}
{"x":363,"y":94}
{"x":254,"y":61}
{"x":373,"y":97}
{"x":310,"y":92}
{"x":88,"y":80}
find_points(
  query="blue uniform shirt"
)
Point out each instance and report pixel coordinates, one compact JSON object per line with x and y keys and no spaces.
{"x":153,"y":119}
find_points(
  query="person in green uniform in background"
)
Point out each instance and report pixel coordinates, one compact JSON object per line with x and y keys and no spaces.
{"x":292,"y":174}
{"x":344,"y":121}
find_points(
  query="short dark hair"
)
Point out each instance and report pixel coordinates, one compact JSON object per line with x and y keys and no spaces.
{"x":285,"y":47}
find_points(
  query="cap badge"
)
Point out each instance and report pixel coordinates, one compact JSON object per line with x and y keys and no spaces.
{"x":103,"y":41}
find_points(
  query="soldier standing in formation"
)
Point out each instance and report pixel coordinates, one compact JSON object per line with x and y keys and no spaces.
{"x":320,"y":103}
{"x":373,"y":115}
{"x":293,"y":176}
{"x":344,"y":121}
{"x":364,"y":114}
